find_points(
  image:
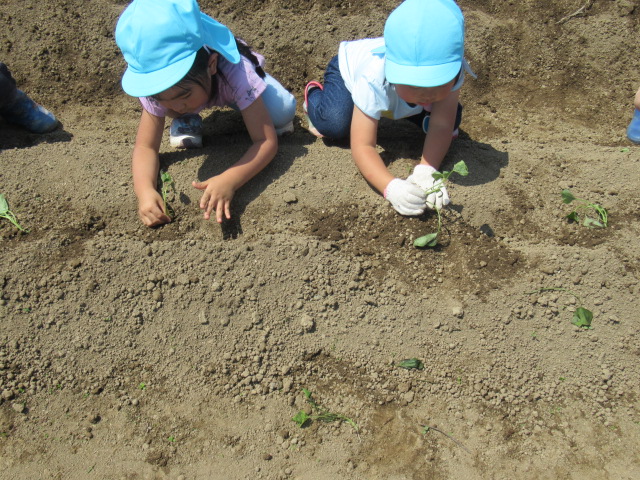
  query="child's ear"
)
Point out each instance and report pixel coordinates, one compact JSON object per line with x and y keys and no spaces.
{"x":213,"y":63}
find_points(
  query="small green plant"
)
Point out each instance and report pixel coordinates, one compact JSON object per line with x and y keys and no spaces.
{"x":319,"y":413}
{"x":583,"y":209}
{"x":167,"y":189}
{"x":8,"y":214}
{"x":171,"y":438}
{"x":410,"y":363}
{"x":142,"y":386}
{"x":431,"y":239}
{"x":581,"y":317}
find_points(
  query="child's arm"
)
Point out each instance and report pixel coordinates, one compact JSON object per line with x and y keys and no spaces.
{"x":406,"y":198}
{"x":145,"y":165}
{"x":436,"y":145}
{"x":439,"y":134}
{"x":219,"y":190}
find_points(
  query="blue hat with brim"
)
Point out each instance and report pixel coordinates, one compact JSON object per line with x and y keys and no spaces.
{"x":160,"y":39}
{"x":424,"y":43}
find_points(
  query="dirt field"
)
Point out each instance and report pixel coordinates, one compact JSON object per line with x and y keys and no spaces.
{"x":181,"y":352}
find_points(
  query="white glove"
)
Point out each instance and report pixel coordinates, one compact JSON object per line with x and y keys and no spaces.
{"x":405,"y":197}
{"x":422,"y":176}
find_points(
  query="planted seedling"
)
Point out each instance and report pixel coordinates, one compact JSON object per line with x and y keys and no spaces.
{"x":319,"y":413}
{"x":167,"y":189}
{"x":9,"y":215}
{"x":431,"y":239}
{"x":583,"y":210}
{"x":581,"y":317}
{"x":411,"y":363}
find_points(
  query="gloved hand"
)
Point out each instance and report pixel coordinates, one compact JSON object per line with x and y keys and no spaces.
{"x":405,"y":197}
{"x":422,"y":176}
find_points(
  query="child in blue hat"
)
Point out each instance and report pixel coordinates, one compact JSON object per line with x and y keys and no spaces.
{"x":633,"y":130}
{"x":181,"y":61}
{"x":415,"y":71}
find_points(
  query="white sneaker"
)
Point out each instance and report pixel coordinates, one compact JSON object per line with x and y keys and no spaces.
{"x":288,"y":128}
{"x":186,"y":131}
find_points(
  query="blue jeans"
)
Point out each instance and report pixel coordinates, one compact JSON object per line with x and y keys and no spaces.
{"x":331,"y":110}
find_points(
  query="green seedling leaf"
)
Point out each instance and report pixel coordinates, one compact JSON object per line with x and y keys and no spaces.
{"x":167,"y":187}
{"x":582,"y":317}
{"x":410,"y":363}
{"x":573,"y":216}
{"x":301,"y":418}
{"x":8,"y":214}
{"x":430,"y":240}
{"x":591,"y":222}
{"x":4,"y":205}
{"x":567,"y":196}
{"x":624,"y":150}
{"x":461,"y":168}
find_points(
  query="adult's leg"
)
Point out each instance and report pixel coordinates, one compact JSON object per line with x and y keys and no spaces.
{"x":330,"y":109}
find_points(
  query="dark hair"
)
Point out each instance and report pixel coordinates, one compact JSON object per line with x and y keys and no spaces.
{"x":198,"y":72}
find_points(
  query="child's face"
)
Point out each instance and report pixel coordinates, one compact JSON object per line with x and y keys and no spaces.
{"x":424,"y":96}
{"x":189,"y":97}
{"x":183,"y":100}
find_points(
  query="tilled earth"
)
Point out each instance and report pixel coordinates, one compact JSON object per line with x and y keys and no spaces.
{"x":183,"y":352}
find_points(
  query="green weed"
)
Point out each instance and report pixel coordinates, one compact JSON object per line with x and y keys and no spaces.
{"x":431,"y":239}
{"x":585,"y":208}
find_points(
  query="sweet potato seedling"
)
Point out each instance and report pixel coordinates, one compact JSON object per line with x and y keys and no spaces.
{"x":583,"y":208}
{"x":581,"y":317}
{"x":431,"y":239}
{"x":167,"y":188}
{"x":319,"y":413}
{"x":8,"y":214}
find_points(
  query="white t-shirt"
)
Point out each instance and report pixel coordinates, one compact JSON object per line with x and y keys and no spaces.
{"x":363,"y":73}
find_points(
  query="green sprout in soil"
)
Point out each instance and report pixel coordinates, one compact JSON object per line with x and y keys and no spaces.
{"x":8,"y":214}
{"x":411,"y":363}
{"x":581,"y":317}
{"x":167,"y":189}
{"x":583,"y":209}
{"x":319,"y":413}
{"x":431,"y":239}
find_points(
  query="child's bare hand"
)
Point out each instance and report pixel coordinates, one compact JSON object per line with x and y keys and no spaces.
{"x":151,"y":209}
{"x":217,"y":195}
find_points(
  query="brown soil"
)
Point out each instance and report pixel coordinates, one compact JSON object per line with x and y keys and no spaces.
{"x":181,"y":352}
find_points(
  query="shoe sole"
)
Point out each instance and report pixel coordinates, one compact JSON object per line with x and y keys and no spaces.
{"x":185,"y":141}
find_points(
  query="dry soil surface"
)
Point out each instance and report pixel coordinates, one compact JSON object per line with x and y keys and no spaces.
{"x":182,"y":352}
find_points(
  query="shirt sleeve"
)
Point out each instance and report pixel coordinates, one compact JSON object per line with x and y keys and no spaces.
{"x":370,"y":97}
{"x":153,"y":107}
{"x":241,"y":85}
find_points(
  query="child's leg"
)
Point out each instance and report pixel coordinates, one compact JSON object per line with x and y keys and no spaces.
{"x":330,"y":109}
{"x":280,"y":103}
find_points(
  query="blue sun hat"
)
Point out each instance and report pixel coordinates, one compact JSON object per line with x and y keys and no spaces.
{"x":160,"y":39}
{"x":424,"y":43}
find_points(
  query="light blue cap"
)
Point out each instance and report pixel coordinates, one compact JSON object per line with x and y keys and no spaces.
{"x":159,"y":40}
{"x":424,"y":43}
